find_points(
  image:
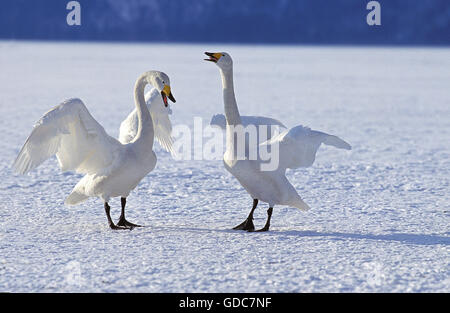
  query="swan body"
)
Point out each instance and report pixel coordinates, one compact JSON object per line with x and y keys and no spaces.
{"x":80,"y":143}
{"x":297,"y":147}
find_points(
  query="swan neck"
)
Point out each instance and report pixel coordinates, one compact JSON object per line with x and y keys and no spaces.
{"x":230,"y":105}
{"x":145,"y":123}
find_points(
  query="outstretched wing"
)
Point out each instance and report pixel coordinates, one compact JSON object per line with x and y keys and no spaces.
{"x":161,"y":122}
{"x":298,"y":146}
{"x":71,"y":133}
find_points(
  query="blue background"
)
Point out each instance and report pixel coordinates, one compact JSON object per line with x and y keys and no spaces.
{"x":404,"y":22}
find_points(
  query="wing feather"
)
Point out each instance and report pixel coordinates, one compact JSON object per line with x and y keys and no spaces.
{"x":298,"y":146}
{"x":68,"y":131}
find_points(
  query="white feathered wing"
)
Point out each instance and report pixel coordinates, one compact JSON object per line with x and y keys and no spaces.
{"x":70,"y":132}
{"x":298,"y":146}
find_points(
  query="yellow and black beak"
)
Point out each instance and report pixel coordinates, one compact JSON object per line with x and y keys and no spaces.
{"x":166,"y":93}
{"x":213,"y":57}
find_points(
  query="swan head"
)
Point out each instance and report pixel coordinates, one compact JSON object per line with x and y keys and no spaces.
{"x":222,"y":59}
{"x":161,"y":82}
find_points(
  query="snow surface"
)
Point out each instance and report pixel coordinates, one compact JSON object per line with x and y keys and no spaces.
{"x":380,"y":213}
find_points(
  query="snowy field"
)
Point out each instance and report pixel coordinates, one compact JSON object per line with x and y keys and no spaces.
{"x":380,"y":213}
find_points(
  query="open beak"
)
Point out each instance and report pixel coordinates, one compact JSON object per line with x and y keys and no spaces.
{"x":166,"y":93}
{"x":213,"y":57}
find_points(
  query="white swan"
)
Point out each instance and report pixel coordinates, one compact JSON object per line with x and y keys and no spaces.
{"x":80,"y":143}
{"x":297,"y":148}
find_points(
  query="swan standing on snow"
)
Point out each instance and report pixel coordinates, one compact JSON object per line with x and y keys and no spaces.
{"x":111,"y":168}
{"x":297,"y":148}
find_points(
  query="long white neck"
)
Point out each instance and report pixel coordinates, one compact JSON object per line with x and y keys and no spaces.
{"x":231,"y":109}
{"x":145,"y":132}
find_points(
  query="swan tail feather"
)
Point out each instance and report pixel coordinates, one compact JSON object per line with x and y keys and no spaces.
{"x":75,"y":197}
{"x":300,"y":204}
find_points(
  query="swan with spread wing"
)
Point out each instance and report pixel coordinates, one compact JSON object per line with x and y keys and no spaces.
{"x":296,"y":147}
{"x":111,"y":168}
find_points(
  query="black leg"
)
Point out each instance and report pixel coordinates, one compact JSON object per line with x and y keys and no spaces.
{"x":108,"y":216}
{"x":269,"y":216}
{"x":122,"y":221}
{"x":248,"y":223}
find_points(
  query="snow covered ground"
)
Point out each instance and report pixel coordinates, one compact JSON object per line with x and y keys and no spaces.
{"x":380,"y":213}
